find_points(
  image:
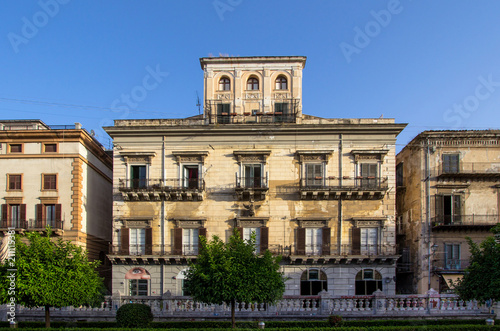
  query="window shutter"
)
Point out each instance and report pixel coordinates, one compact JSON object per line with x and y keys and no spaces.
{"x":149,"y":241}
{"x":240,"y":231}
{"x":125,"y":240}
{"x":356,"y":241}
{"x":457,"y":208}
{"x":301,"y":241}
{"x":202,"y":232}
{"x":39,"y":215}
{"x":439,"y":208}
{"x":177,"y":241}
{"x":264,"y":239}
{"x":58,"y":212}
{"x":5,"y":207}
{"x":325,"y":249}
{"x":23,"y":216}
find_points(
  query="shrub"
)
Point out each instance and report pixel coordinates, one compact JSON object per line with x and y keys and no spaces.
{"x":133,"y":315}
{"x":335,"y":320}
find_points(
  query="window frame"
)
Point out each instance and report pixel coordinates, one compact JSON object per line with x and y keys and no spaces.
{"x":44,"y":148}
{"x":137,"y":235}
{"x":376,"y":281}
{"x":253,"y":84}
{"x":10,"y":145}
{"x":314,"y":180}
{"x":140,"y":181}
{"x":224,"y":84}
{"x":247,"y":233}
{"x":137,"y":290}
{"x":305,"y":280}
{"x":279,"y":84}
{"x":370,"y":246}
{"x":44,"y":188}
{"x":454,"y":262}
{"x":9,"y":176}
{"x":451,"y":163}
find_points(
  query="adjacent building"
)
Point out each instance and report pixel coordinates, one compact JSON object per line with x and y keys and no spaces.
{"x":320,"y":192}
{"x":448,"y":188}
{"x":57,"y":176}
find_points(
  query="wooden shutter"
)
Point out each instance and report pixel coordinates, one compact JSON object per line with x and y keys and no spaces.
{"x":301,"y":241}
{"x":202,"y":232}
{"x":439,"y":208}
{"x":457,"y":208}
{"x":149,"y":241}
{"x":24,"y":225}
{"x":125,"y":240}
{"x":356,"y":241}
{"x":5,"y":218}
{"x":264,"y":239}
{"x":58,"y":216}
{"x":177,"y":241}
{"x":325,"y":249}
{"x":240,"y":231}
{"x":39,"y":215}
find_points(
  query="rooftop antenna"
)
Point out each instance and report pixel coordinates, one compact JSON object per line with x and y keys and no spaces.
{"x":198,"y":104}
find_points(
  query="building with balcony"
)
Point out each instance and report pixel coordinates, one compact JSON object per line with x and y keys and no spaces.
{"x":320,"y":192}
{"x":57,"y":176}
{"x":448,"y":188}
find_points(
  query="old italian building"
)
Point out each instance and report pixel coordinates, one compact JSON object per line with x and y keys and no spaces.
{"x":318,"y":191}
{"x":57,"y":176}
{"x":447,"y":189}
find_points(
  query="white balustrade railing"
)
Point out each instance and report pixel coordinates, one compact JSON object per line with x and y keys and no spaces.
{"x":322,"y":305}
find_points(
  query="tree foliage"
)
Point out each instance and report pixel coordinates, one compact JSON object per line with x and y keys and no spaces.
{"x":482,"y":278}
{"x":232,"y":272}
{"x":50,"y":274}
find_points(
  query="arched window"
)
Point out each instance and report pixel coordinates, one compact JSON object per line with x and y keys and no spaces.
{"x":312,"y":282}
{"x":224,"y":84}
{"x":368,"y":281}
{"x":281,"y":83}
{"x":138,"y":281}
{"x":252,"y":84}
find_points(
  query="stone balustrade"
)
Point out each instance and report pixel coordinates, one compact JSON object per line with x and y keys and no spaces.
{"x":377,"y":305}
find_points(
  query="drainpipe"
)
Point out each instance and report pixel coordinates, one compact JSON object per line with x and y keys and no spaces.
{"x":162,"y":215}
{"x":427,"y":211}
{"x":340,"y":197}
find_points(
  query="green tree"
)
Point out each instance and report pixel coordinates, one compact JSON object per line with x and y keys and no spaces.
{"x":232,"y":272}
{"x":481,"y":280}
{"x":49,"y":274}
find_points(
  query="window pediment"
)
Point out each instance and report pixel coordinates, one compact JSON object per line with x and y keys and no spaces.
{"x":189,"y":223}
{"x":251,"y":222}
{"x":137,"y":222}
{"x":313,"y":222}
{"x":365,"y":155}
{"x":137,"y":156}
{"x":369,"y":222}
{"x":314,"y":156}
{"x":190,"y":156}
{"x":252,"y":156}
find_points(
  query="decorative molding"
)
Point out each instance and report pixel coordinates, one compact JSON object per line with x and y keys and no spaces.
{"x":190,"y":156}
{"x":452,"y":185}
{"x":251,"y":222}
{"x":317,"y":156}
{"x":361,"y":155}
{"x":256,"y":156}
{"x":130,"y":156}
{"x":189,"y":223}
{"x":312,"y":222}
{"x":224,"y":96}
{"x":13,"y":200}
{"x":252,"y":96}
{"x":137,"y":223}
{"x":281,"y":96}
{"x":49,"y":200}
{"x":369,"y":222}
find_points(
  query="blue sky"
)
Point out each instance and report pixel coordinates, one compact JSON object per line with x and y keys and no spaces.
{"x":431,"y":64}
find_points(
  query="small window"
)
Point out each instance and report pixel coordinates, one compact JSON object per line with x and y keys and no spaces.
{"x":312,"y":282}
{"x":451,"y":163}
{"x":50,"y":182}
{"x":50,"y":148}
{"x":138,"y":287}
{"x":253,"y":84}
{"x":15,"y":182}
{"x":15,"y":148}
{"x":314,"y":175}
{"x":281,"y":83}
{"x":367,"y":282}
{"x":224,"y":84}
{"x":399,"y":174}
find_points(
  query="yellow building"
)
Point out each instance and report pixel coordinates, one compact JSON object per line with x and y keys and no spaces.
{"x":57,"y":176}
{"x":447,"y":189}
{"x":320,"y":192}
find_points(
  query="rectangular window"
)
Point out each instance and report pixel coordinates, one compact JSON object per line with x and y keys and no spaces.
{"x":15,"y":182}
{"x":137,"y":241}
{"x":399,"y":175}
{"x":452,"y":256}
{"x":449,"y":209}
{"x":369,"y":174}
{"x":281,"y":111}
{"x":190,"y":176}
{"x":15,"y":216}
{"x":314,"y":175}
{"x":314,"y":241}
{"x":15,"y":148}
{"x":190,"y":241}
{"x":50,"y":215}
{"x":50,"y":148}
{"x":223,"y":110}
{"x":138,"y":287}
{"x":138,"y":176}
{"x":451,"y":163}
{"x":369,"y":241}
{"x":247,"y":232}
{"x":253,"y":175}
{"x":50,"y":182}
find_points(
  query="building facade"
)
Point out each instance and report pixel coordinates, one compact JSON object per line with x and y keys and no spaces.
{"x":320,"y":192}
{"x":448,"y":185}
{"x":56,"y":176}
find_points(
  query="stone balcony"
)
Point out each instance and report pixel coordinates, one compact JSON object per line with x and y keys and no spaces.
{"x":162,"y":189}
{"x":357,"y":188}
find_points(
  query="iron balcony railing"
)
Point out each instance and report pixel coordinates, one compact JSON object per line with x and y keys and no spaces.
{"x":345,"y":183}
{"x":256,"y":117}
{"x":451,"y":264}
{"x":342,"y":250}
{"x":166,"y":250}
{"x":465,"y":220}
{"x":32,"y":224}
{"x":251,"y":182}
{"x":468,"y":168}
{"x":158,"y":184}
